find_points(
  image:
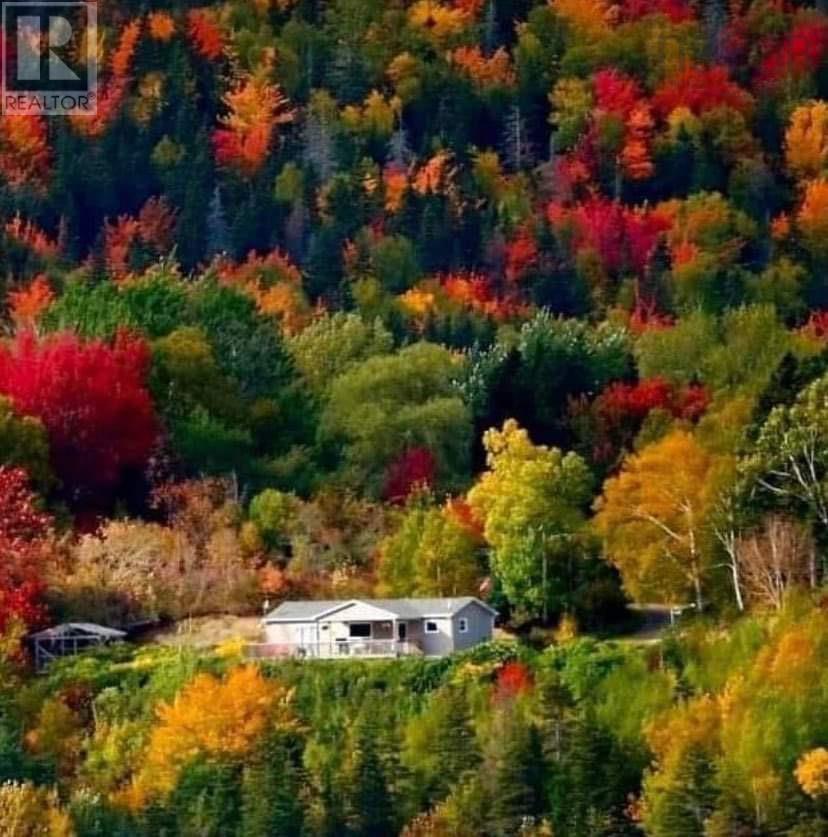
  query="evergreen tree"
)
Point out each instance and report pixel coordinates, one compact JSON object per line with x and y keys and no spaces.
{"x":271,"y":800}
{"x":440,"y":746}
{"x":514,"y":768}
{"x":517,"y":148}
{"x":490,"y":36}
{"x":192,"y":180}
{"x":371,"y":803}
{"x":576,"y":797}
{"x":207,"y":801}
{"x":218,"y":234}
{"x":296,"y":226}
{"x":399,"y":152}
{"x":318,"y":149}
{"x":684,"y":800}
{"x":715,"y":21}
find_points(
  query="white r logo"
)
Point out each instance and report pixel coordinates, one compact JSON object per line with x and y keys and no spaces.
{"x":29,"y":52}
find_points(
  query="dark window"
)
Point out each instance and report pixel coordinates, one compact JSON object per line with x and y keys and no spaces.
{"x":360,"y":629}
{"x":431,"y":627}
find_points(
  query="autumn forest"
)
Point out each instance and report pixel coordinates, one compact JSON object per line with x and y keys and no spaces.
{"x":513,"y":299}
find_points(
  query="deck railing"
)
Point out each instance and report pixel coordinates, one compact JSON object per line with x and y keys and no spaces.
{"x":333,"y":649}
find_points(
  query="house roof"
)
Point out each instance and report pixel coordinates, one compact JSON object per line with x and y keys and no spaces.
{"x":78,"y":629}
{"x":311,"y":611}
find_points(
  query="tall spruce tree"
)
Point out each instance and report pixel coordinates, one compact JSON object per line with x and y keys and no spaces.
{"x":271,"y":785}
{"x":371,"y":804}
{"x":514,"y":768}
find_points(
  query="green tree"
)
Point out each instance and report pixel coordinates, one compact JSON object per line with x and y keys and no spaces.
{"x":273,"y":512}
{"x":430,"y":554}
{"x":246,"y":345}
{"x":334,"y":343}
{"x":271,"y":798}
{"x":753,"y":343}
{"x":206,"y":799}
{"x":439,"y":746}
{"x":89,"y":309}
{"x":789,"y":464}
{"x":157,"y":302}
{"x":24,"y":443}
{"x":371,"y":803}
{"x":390,"y":403}
{"x":532,"y":375}
{"x":677,"y":354}
{"x":531,"y":503}
{"x":513,"y":772}
{"x":681,"y":806}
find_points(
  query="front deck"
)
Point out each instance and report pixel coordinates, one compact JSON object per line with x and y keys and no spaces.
{"x":335,"y":649}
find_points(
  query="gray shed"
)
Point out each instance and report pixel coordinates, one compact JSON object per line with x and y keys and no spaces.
{"x":69,"y":638}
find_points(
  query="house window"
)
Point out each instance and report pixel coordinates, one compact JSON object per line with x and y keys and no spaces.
{"x":359,"y":630}
{"x":463,"y":625}
{"x":431,"y":628}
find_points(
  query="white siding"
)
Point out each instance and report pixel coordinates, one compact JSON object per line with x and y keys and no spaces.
{"x":440,"y":643}
{"x":380,"y":621}
{"x":278,"y":633}
{"x":362,"y":612}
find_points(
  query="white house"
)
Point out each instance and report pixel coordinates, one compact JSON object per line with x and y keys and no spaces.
{"x":375,"y":627}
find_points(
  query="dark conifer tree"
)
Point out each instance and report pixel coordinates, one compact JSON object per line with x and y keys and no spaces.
{"x":371,"y":802}
{"x":513,"y":772}
{"x":271,"y":792}
{"x":218,"y":234}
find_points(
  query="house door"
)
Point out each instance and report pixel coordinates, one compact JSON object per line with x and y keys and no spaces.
{"x":402,"y":631}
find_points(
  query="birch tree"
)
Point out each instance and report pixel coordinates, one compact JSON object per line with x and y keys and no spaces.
{"x":789,"y":464}
{"x":654,"y":518}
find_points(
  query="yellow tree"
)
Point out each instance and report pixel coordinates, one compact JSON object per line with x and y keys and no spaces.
{"x":812,"y":218}
{"x":211,"y":718}
{"x":30,"y":811}
{"x":530,"y":503}
{"x":812,"y":773}
{"x":679,"y":789}
{"x":588,"y":18}
{"x":635,"y":156}
{"x":653,"y":518}
{"x":255,"y":110}
{"x":806,"y":140}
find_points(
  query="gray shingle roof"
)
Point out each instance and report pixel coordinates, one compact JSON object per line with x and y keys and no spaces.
{"x":300,"y":611}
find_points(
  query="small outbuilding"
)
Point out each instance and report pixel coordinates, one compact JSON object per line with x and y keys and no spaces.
{"x":69,"y":638}
{"x":375,"y":627}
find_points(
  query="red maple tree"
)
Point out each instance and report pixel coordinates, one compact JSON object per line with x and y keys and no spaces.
{"x":513,"y":679}
{"x":700,"y":89}
{"x":799,"y":54}
{"x":676,"y":11}
{"x":24,"y":530}
{"x":91,"y":398}
{"x":620,"y":410}
{"x":205,"y":33}
{"x":415,"y":468}
{"x":621,"y":236}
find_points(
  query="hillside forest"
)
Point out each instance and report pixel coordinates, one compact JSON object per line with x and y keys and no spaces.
{"x":516,"y":299}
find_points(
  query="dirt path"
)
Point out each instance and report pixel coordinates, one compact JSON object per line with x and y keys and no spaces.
{"x":207,"y":631}
{"x":655,"y":621}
